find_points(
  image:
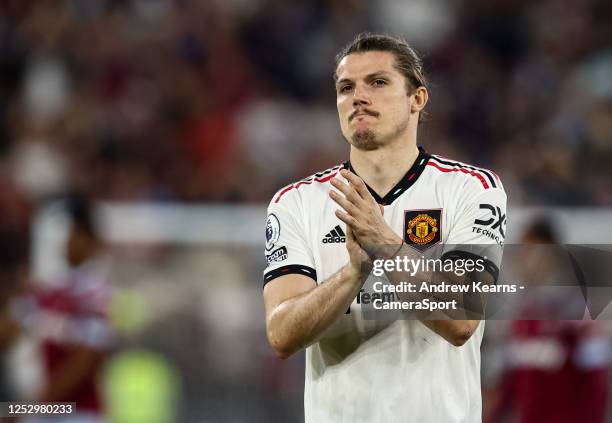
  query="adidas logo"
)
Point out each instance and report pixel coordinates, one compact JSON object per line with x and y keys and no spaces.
{"x":336,"y":235}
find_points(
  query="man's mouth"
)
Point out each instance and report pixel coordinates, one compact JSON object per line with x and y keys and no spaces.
{"x":363,"y":112}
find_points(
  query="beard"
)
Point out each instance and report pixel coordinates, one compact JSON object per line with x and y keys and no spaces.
{"x":368,"y":140}
{"x":365,"y":140}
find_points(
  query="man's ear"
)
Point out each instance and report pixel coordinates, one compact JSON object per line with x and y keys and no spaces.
{"x":420,"y":99}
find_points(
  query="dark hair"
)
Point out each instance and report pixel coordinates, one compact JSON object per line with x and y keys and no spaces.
{"x":407,"y":62}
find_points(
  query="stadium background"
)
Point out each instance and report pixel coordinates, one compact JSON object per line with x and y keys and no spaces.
{"x":180,"y":119}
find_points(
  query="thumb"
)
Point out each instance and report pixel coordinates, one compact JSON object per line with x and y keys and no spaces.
{"x":350,"y":236}
{"x":349,"y":233}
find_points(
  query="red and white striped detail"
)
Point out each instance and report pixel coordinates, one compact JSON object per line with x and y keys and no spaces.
{"x":472,"y":172}
{"x":321,"y":179}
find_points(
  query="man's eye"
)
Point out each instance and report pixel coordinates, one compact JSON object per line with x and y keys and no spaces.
{"x":379,"y":82}
{"x":345,"y":88}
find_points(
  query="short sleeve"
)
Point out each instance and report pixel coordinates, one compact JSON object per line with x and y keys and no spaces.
{"x":287,"y":249}
{"x":480,"y":228}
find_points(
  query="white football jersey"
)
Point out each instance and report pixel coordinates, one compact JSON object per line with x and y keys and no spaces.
{"x":364,"y":370}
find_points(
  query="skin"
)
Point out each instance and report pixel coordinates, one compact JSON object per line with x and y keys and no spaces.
{"x":369,"y":82}
{"x":378,"y":116}
{"x":364,"y":216}
{"x":298,"y":310}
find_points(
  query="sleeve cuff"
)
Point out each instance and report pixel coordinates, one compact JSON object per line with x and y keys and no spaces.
{"x":289,"y":269}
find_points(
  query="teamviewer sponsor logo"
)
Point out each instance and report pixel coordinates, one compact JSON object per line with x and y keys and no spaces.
{"x":334,"y":236}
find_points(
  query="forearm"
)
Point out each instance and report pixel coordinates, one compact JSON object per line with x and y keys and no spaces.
{"x":365,"y":217}
{"x":402,"y":264}
{"x":299,"y":321}
{"x":451,"y":324}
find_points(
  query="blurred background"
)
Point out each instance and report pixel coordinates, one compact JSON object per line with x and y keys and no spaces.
{"x":140,"y":141}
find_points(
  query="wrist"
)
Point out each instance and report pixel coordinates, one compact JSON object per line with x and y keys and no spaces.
{"x":353,"y":274}
{"x":387,"y":249}
{"x":350,"y":271}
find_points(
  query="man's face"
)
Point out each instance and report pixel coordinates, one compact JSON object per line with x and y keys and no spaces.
{"x":372,"y":99}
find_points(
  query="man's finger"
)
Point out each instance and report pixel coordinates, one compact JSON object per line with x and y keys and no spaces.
{"x":357,"y":183}
{"x":346,"y":218}
{"x":341,"y":186}
{"x":347,"y":205}
{"x":349,"y":232}
{"x":349,"y":191}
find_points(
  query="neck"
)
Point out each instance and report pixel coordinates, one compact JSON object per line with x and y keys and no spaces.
{"x":382,"y":169}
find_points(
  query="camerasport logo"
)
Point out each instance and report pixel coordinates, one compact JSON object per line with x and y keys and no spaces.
{"x":422,"y":228}
{"x":494,"y":226}
{"x":277,"y":255}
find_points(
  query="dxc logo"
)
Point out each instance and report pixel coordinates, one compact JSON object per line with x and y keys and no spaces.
{"x":497,"y":220}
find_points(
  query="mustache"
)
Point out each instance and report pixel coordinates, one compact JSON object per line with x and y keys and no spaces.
{"x":366,"y":111}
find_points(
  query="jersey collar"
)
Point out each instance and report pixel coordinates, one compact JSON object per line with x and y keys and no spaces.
{"x":406,"y":182}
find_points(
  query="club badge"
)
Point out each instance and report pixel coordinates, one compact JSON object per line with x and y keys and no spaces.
{"x":422,"y":228}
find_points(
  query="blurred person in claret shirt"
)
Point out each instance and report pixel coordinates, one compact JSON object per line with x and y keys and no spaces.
{"x":554,"y":370}
{"x":70,"y":320}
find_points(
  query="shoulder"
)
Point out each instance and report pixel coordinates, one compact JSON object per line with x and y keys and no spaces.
{"x":307,"y":188}
{"x":459,"y":174}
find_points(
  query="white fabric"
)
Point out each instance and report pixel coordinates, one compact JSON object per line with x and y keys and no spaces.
{"x":397,"y":371}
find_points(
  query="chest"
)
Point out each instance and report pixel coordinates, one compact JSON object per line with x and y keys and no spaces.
{"x":422,"y":216}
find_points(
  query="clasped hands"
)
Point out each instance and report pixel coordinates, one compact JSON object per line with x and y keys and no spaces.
{"x":363,"y":216}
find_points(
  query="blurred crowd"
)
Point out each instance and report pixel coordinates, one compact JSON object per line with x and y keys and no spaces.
{"x":230,"y":100}
{"x":186,"y":100}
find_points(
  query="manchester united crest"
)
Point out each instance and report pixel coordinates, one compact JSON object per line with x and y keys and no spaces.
{"x":422,"y":228}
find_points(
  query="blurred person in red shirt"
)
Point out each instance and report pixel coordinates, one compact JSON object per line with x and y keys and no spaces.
{"x":554,"y":370}
{"x":70,"y":320}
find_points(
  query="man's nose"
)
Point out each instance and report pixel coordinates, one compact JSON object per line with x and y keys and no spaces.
{"x":360,"y":97}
